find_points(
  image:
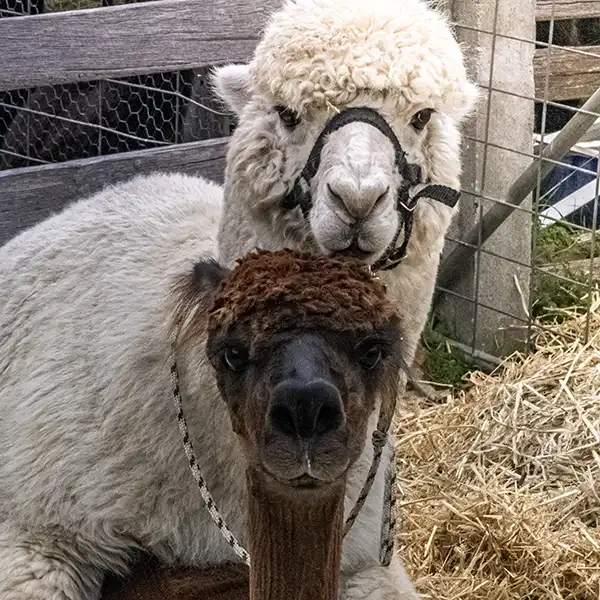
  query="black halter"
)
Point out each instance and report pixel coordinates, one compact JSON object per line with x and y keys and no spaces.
{"x":410,"y":175}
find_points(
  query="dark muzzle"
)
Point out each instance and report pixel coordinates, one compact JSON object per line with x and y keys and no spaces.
{"x":410,"y":174}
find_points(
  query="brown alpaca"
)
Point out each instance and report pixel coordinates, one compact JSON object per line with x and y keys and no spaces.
{"x":302,"y":347}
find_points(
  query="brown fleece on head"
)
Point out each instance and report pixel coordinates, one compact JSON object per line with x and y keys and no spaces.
{"x":283,"y":289}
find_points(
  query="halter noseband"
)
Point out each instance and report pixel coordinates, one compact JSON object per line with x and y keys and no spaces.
{"x":410,"y":175}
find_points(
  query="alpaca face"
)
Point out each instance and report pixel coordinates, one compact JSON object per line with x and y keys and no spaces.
{"x":315,"y":59}
{"x":300,"y":400}
{"x":300,"y":364}
{"x":354,"y":192}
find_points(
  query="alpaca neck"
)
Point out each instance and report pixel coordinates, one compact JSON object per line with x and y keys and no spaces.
{"x":295,"y":541}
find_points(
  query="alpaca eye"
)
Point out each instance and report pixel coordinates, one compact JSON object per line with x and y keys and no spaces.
{"x":421,"y":119}
{"x":236,"y":359}
{"x":288,"y":117}
{"x":370,"y":354}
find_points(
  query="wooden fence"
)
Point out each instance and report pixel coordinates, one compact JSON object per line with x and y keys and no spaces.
{"x":566,"y":9}
{"x":571,"y":72}
{"x":133,"y":39}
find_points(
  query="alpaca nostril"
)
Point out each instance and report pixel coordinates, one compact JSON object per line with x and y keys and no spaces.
{"x":329,"y":418}
{"x":306,"y":410}
{"x":282,"y":419}
{"x":335,"y":196}
{"x":382,"y":196}
{"x":342,"y":201}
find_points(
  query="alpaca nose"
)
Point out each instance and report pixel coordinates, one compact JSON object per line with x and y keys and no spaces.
{"x":358,"y":201}
{"x":306,"y":410}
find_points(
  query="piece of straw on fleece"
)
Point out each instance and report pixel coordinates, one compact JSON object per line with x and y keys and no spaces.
{"x":500,"y":486}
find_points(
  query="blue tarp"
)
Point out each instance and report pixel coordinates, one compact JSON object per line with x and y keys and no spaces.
{"x":563,"y":181}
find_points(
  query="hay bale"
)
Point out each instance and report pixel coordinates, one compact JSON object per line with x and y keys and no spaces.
{"x":500,"y":486}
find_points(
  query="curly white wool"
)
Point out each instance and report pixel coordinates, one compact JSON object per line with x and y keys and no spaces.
{"x":319,"y":52}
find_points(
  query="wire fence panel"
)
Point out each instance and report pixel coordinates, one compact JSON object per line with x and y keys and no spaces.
{"x":65,"y":122}
{"x":536,"y":73}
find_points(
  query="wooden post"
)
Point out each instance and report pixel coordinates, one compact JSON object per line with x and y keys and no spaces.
{"x":498,"y":147}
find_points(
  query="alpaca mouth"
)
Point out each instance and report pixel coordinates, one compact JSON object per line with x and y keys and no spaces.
{"x":299,"y":482}
{"x":310,"y":482}
{"x":306,"y":482}
{"x":354,"y":251}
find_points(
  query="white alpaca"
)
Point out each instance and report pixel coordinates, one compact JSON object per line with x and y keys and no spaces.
{"x":91,"y":463}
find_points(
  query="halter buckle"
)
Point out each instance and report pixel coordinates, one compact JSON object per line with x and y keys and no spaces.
{"x":408,"y":209}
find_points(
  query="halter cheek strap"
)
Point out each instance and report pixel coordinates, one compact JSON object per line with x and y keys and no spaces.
{"x":394,"y":255}
{"x":411,"y":175}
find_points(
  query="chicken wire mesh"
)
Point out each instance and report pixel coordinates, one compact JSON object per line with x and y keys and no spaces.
{"x":65,"y":122}
{"x":556,"y":44}
{"x":35,"y":7}
{"x":58,"y":123}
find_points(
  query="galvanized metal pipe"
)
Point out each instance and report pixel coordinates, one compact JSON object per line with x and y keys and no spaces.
{"x":452,"y":268}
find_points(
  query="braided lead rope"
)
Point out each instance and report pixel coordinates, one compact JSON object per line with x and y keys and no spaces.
{"x":211,"y":505}
{"x":388,"y":524}
{"x":379,"y":440}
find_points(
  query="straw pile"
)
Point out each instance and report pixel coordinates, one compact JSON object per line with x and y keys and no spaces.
{"x":500,"y":486}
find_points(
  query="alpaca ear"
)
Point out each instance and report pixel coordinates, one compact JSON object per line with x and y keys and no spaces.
{"x":194,"y":294}
{"x":206,"y":278}
{"x":232,"y":84}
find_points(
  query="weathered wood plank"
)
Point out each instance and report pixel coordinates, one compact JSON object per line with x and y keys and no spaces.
{"x":118,"y":41}
{"x":566,"y":9}
{"x":572,"y":74}
{"x":32,"y":194}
